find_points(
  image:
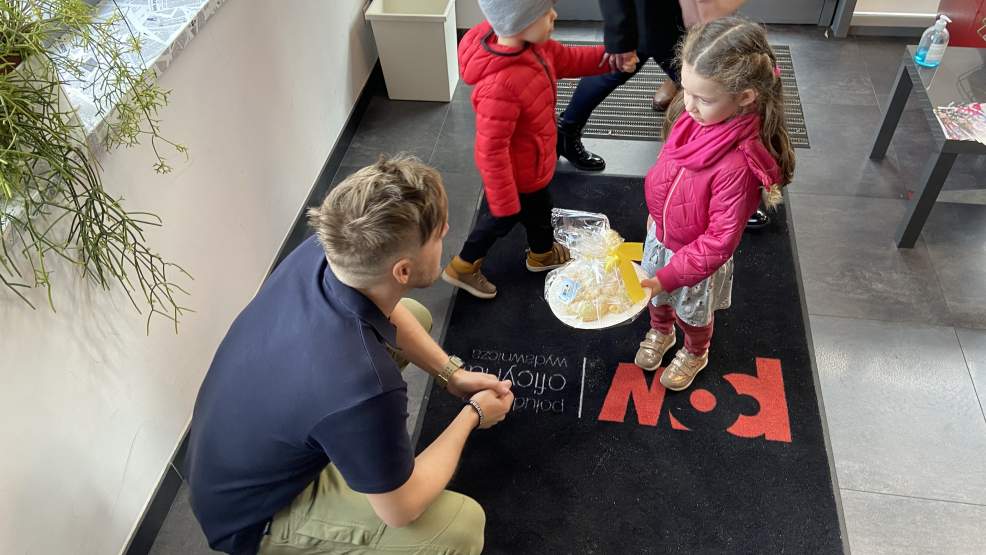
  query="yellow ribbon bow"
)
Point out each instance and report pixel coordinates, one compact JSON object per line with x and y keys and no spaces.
{"x":623,"y":256}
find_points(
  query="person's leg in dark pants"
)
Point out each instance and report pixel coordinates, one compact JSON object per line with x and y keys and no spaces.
{"x":464,"y":270}
{"x":670,"y":67}
{"x":665,"y":58}
{"x":669,"y":88}
{"x":488,"y":230}
{"x":589,"y":93}
{"x":535,"y":214}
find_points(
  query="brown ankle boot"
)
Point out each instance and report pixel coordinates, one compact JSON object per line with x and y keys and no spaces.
{"x":664,"y":95}
{"x":544,"y":261}
{"x":467,"y":277}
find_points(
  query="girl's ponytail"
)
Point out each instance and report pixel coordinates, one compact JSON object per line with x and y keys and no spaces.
{"x":773,"y":134}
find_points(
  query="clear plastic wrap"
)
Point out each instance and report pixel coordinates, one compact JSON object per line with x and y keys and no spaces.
{"x":600,"y":287}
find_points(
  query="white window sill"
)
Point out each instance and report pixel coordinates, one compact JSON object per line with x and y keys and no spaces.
{"x":163,"y":27}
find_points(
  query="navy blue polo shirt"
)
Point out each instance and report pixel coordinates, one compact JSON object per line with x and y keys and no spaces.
{"x":301,"y":378}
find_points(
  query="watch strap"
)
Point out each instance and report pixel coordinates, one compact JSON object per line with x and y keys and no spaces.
{"x":445,"y":373}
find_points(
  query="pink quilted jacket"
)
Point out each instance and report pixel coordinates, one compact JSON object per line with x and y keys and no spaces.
{"x":702,"y":189}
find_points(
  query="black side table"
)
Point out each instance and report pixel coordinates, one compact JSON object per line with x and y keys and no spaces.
{"x":960,"y":78}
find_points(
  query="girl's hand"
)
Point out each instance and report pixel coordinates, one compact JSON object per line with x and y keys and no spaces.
{"x":653,"y":284}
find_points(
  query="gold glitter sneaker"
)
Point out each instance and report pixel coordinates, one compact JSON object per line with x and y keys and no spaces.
{"x":682,"y":371}
{"x":652,"y":349}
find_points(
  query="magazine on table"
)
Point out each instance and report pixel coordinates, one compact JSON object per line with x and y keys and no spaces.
{"x":963,"y":122}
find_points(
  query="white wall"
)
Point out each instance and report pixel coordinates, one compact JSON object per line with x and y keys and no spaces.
{"x":895,"y":13}
{"x":903,"y":6}
{"x":91,"y":408}
{"x":467,"y":14}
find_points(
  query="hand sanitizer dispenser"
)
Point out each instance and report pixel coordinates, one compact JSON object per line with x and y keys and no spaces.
{"x":933,"y":43}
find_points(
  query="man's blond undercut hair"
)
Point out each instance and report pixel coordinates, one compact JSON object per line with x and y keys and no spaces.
{"x":378,"y":215}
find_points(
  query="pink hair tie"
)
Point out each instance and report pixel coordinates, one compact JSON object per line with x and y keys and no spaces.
{"x":777,"y":71}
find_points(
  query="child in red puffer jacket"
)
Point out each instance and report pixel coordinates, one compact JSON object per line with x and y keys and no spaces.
{"x":728,"y":147}
{"x":514,"y":66}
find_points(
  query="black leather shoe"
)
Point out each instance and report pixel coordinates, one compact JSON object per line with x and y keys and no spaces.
{"x":758,"y":220}
{"x":570,"y":146}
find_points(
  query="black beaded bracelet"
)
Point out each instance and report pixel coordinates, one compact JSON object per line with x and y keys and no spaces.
{"x":479,"y":410}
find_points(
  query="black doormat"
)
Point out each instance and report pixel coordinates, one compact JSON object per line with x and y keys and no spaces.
{"x":736,"y":464}
{"x":626,"y":113}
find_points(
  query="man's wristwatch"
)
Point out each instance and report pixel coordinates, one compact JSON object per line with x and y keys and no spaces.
{"x":445,"y":373}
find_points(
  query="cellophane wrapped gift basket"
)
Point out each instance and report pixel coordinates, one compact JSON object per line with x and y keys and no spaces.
{"x":600,"y":287}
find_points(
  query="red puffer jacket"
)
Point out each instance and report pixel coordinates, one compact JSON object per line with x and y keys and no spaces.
{"x":700,"y":193}
{"x":514,"y":100}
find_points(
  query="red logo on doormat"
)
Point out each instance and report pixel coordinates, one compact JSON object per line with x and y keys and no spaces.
{"x":767,"y":387}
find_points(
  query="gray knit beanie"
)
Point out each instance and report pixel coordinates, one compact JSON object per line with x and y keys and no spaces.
{"x":510,"y":17}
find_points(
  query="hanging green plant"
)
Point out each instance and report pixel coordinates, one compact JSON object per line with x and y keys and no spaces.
{"x":52,"y":200}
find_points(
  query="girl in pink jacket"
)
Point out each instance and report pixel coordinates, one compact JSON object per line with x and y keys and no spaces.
{"x":727,"y":147}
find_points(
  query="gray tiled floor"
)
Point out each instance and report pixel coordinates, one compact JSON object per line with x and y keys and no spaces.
{"x":181,"y":534}
{"x":851,"y":267}
{"x":898,"y":335}
{"x":894,"y":524}
{"x":903,"y":413}
{"x":622,"y":157}
{"x":899,"y":380}
{"x":847,"y":130}
{"x":973,"y":344}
